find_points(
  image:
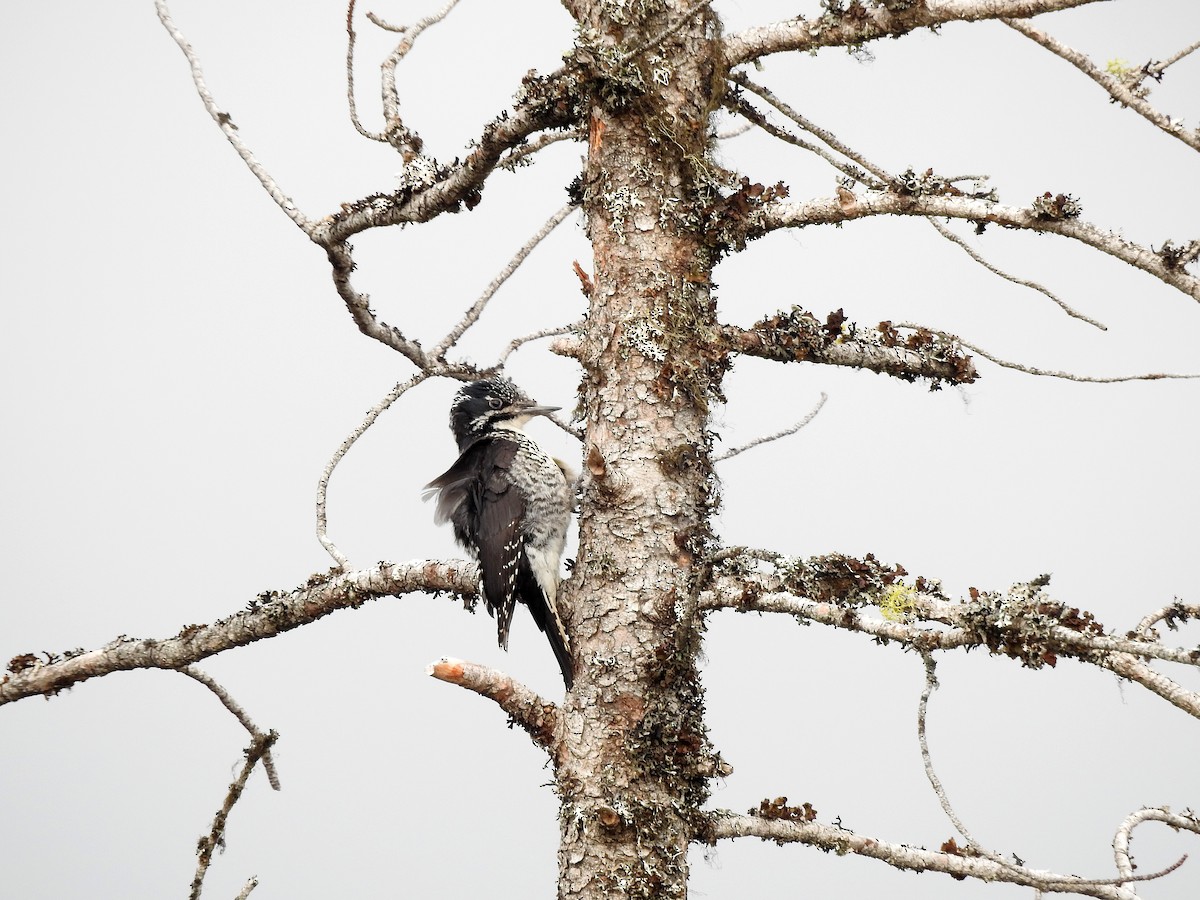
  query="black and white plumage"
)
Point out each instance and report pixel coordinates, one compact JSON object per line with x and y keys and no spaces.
{"x":509,"y":503}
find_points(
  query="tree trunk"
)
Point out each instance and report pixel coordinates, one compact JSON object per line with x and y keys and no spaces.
{"x":635,"y":761}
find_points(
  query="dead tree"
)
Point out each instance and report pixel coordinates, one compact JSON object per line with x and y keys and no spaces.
{"x":642,"y":91}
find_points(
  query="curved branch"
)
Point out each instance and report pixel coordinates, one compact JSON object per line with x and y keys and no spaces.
{"x":726,"y":825}
{"x":323,"y":484}
{"x":472,"y":315}
{"x":1022,"y":282}
{"x":1186,"y":822}
{"x":870,"y":23}
{"x":790,"y":430}
{"x":1054,"y":373}
{"x":258,"y":748}
{"x":351,"y":40}
{"x":268,"y":615}
{"x":539,"y":717}
{"x":1116,"y":87}
{"x":781,"y":214}
{"x":404,"y":139}
{"x":238,"y":713}
{"x":225,"y":123}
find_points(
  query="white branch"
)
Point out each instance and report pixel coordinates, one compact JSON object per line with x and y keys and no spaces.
{"x":812,"y":414}
{"x":351,"y":40}
{"x":1032,"y":285}
{"x":1185,"y":822}
{"x":1115,"y":87}
{"x":726,"y":825}
{"x":472,"y":315}
{"x":829,"y":30}
{"x":1053,"y":373}
{"x":781,"y":214}
{"x":225,"y":123}
{"x":884,"y":177}
{"x":323,"y":484}
{"x":240,"y":714}
{"x":270,"y":614}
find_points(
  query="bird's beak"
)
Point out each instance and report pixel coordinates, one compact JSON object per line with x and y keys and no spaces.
{"x":532,"y":409}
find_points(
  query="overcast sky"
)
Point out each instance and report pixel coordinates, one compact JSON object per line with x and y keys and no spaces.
{"x":177,"y":369}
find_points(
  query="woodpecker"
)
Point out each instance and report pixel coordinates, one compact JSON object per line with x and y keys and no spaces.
{"x":509,"y":503}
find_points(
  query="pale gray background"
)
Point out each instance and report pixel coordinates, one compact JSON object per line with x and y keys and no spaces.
{"x":177,"y":369}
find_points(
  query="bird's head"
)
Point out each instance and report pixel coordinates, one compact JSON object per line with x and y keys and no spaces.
{"x":484,"y":406}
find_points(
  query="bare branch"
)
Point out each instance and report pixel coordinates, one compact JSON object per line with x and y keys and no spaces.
{"x":341,"y":260}
{"x":1032,"y":285}
{"x":225,"y":123}
{"x":240,"y":714}
{"x":247,"y":888}
{"x":884,"y":177}
{"x":831,"y":30}
{"x":781,"y":214}
{"x":518,"y":156}
{"x":547,"y":103}
{"x":323,"y":484}
{"x":812,"y":414}
{"x":754,"y":117}
{"x":518,"y":342}
{"x":1116,"y":88}
{"x":216,"y":837}
{"x":725,"y":825}
{"x":270,"y":614}
{"x":733,"y":131}
{"x":394,"y":131}
{"x":1051,"y":373}
{"x":1177,"y":611}
{"x":1185,"y":822}
{"x":472,"y":315}
{"x":539,"y":717}
{"x":1156,"y":70}
{"x":351,"y":39}
{"x":1022,"y":623}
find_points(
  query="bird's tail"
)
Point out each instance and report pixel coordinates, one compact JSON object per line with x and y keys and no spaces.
{"x":545,"y":614}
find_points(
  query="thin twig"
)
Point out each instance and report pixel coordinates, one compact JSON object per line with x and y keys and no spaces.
{"x":1126,"y":871}
{"x":754,"y":117}
{"x":1124,"y":835}
{"x":323,"y":484}
{"x":939,"y":790}
{"x":225,"y":123}
{"x":351,"y":38}
{"x":777,"y":435}
{"x":1116,"y":88}
{"x":1155,"y":70}
{"x":240,"y":714}
{"x":518,"y":155}
{"x":1050,"y":373}
{"x":515,"y":343}
{"x":1178,"y":609}
{"x":400,"y":137}
{"x":733,"y":131}
{"x":249,"y":886}
{"x":216,"y":837}
{"x":472,"y":315}
{"x":815,"y":130}
{"x":1032,"y":285}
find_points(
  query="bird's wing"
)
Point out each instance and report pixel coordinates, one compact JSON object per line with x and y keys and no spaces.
{"x":476,"y":496}
{"x":453,"y":486}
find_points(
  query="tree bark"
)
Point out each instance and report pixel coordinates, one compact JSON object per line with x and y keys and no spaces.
{"x":634,"y":761}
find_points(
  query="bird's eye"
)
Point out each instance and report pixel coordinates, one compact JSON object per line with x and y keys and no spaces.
{"x":495,"y":402}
